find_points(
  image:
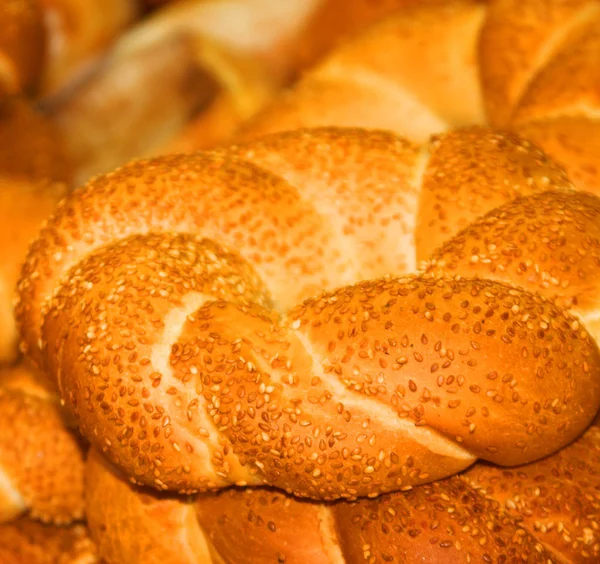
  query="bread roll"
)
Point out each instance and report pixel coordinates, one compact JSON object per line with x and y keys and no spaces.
{"x":389,"y":369}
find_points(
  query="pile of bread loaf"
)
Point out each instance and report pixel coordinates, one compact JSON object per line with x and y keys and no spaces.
{"x":302,"y":282}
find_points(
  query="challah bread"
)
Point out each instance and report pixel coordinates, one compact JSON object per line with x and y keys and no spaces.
{"x":212,"y":386}
{"x":524,"y":65}
{"x":29,"y":542}
{"x":41,"y":461}
{"x":354,"y":170}
{"x":543,"y":512}
{"x":34,"y":175}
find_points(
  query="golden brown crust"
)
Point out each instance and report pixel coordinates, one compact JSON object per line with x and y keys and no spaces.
{"x":382,"y":78}
{"x":447,"y":419}
{"x":22,"y":45}
{"x":271,"y":524}
{"x":40,"y":460}
{"x":519,"y":38}
{"x":573,"y":142}
{"x":545,"y":512}
{"x":225,"y":354}
{"x":188,"y":194}
{"x":472,"y":171}
{"x":370,"y":169}
{"x":377,"y":78}
{"x":372,"y":414}
{"x":423,"y":384}
{"x":28,"y":542}
{"x":169,"y":277}
{"x":131,"y":525}
{"x":442,"y":522}
{"x":547,"y":243}
{"x":555,"y":499}
{"x":568,"y":85}
{"x":168,"y":185}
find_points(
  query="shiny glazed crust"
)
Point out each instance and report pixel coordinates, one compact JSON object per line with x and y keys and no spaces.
{"x":543,"y":512}
{"x":221,"y":383}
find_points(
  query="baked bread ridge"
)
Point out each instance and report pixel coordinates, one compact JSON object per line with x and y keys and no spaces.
{"x":542,"y":512}
{"x":394,"y":76}
{"x":423,"y":367}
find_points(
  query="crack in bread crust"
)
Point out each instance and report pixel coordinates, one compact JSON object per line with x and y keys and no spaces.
{"x":384,"y":416}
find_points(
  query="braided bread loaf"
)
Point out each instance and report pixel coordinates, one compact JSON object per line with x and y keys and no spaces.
{"x":41,"y":460}
{"x":527,"y":65}
{"x":155,"y":295}
{"x":545,"y":512}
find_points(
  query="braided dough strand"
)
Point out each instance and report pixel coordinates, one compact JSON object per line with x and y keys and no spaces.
{"x":161,"y":297}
